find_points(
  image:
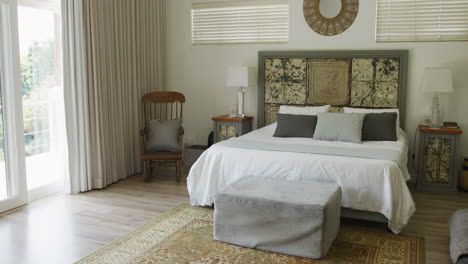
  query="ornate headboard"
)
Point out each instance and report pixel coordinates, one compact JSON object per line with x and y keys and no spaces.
{"x":353,"y":78}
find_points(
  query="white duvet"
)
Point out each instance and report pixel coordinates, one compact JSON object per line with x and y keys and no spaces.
{"x":367,"y":184}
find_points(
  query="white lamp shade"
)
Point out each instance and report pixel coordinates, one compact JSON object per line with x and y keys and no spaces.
{"x":437,"y":80}
{"x":237,"y":77}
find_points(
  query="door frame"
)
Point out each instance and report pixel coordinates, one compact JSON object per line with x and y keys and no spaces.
{"x":12,"y":108}
{"x":51,"y":6}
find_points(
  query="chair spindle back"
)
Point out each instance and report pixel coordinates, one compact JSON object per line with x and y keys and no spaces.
{"x":163,"y":106}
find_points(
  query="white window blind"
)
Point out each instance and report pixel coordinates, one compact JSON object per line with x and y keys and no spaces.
{"x":422,"y":20}
{"x":230,"y":22}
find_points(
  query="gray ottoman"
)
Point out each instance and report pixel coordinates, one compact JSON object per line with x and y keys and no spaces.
{"x":289,"y":217}
{"x":458,"y":224}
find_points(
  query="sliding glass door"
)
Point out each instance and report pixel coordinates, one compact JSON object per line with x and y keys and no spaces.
{"x":42,"y":94}
{"x":32,"y":124}
{"x":13,"y":190}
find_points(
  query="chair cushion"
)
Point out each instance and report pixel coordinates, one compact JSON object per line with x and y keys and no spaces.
{"x":163,"y":135}
{"x":162,"y":155}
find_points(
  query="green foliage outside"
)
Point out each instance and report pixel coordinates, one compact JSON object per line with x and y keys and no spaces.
{"x":37,"y":75}
{"x":38,"y":68}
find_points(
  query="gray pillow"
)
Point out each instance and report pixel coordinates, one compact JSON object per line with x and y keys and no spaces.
{"x":163,"y":135}
{"x":379,"y":127}
{"x":339,"y":127}
{"x":295,"y":126}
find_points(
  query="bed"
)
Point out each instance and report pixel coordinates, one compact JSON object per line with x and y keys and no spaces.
{"x":373,"y":188}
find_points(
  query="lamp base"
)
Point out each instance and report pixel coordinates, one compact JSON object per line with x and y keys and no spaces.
{"x":435,"y":112}
{"x":240,"y":103}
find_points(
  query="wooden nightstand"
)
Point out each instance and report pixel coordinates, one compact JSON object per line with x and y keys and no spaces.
{"x":226,"y":127}
{"x":439,"y":161}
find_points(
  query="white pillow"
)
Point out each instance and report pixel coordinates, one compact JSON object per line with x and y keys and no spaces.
{"x":303,"y":110}
{"x":384,"y":110}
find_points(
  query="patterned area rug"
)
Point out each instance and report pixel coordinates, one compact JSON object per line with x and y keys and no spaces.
{"x":185,"y":235}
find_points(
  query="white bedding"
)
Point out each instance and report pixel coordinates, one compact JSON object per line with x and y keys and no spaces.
{"x":367,"y":184}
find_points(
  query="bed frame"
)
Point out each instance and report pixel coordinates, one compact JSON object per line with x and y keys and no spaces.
{"x":354,"y":78}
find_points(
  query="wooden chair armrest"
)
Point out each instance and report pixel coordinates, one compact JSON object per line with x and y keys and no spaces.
{"x":181,"y":131}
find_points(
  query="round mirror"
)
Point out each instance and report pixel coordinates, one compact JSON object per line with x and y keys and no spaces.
{"x":330,"y":17}
{"x":330,"y":8}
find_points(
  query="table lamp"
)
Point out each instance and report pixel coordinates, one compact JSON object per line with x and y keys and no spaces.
{"x":437,"y":80}
{"x":238,"y":77}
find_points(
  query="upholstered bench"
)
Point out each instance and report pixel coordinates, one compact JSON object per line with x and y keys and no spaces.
{"x":288,"y":217}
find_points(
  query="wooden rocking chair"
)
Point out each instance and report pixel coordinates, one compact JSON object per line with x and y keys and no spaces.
{"x":161,"y":106}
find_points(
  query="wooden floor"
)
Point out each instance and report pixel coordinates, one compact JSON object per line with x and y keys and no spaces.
{"x":64,"y":228}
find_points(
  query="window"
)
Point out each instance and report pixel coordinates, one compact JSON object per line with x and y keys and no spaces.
{"x":422,"y":20}
{"x":231,"y":22}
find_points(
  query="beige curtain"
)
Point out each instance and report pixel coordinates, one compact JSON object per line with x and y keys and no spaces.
{"x":125,"y":58}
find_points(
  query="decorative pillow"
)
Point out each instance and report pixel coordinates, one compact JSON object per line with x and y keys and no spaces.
{"x":379,"y":127}
{"x":367,"y":111}
{"x":339,"y":127}
{"x":163,"y":135}
{"x":303,"y":110}
{"x":295,"y":126}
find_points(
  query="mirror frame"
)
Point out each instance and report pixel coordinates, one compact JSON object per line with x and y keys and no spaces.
{"x":330,"y":26}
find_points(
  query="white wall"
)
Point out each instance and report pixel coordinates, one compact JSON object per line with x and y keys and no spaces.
{"x":199,"y":71}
